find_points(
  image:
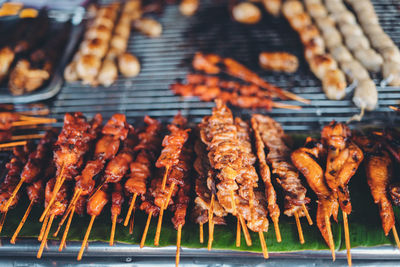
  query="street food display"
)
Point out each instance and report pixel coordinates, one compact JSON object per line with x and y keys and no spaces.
{"x":223,"y":168}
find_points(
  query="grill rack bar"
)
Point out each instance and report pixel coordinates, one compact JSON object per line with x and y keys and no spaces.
{"x":167,"y":58}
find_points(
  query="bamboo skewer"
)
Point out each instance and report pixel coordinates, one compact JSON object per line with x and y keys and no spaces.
{"x":211,"y":222}
{"x":128,"y":214}
{"x":131,"y":222}
{"x":245,"y":231}
{"x":310,"y":222}
{"x":238,"y":232}
{"x":160,"y":216}
{"x":201,"y":233}
{"x":263,"y":245}
{"x":114,"y":223}
{"x":74,"y":199}
{"x":178,"y":245}
{"x":26,"y":137}
{"x":330,"y":237}
{"x":285,"y":106}
{"x":46,"y":234}
{"x":13,"y":144}
{"x":396,"y":237}
{"x":13,"y":194}
{"x":347,"y":237}
{"x":85,"y":239}
{"x":3,"y":219}
{"x":32,"y":122}
{"x":299,"y":229}
{"x":66,"y":230}
{"x":146,"y":229}
{"x":21,"y":223}
{"x":43,"y":229}
{"x":59,"y":181}
{"x":277,"y":231}
{"x":164,"y":181}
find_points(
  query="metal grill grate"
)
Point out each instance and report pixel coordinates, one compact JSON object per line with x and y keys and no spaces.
{"x":211,"y":30}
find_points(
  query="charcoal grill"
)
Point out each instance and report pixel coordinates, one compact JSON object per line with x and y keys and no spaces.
{"x":168,"y":58}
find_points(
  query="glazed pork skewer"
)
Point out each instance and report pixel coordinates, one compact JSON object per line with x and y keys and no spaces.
{"x":169,"y":159}
{"x":208,"y":64}
{"x":37,"y":160}
{"x":14,"y":167}
{"x":202,"y":207}
{"x":72,"y":144}
{"x":115,"y":131}
{"x":270,"y":135}
{"x":94,"y":207}
{"x":147,"y":149}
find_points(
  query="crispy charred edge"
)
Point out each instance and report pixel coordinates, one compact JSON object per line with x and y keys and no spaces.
{"x":278,"y":157}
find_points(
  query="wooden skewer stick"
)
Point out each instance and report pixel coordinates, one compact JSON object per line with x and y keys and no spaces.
{"x":32,"y":122}
{"x":66,"y":230}
{"x":233,"y":202}
{"x":178,"y":246}
{"x":26,"y":137}
{"x":238,"y":232}
{"x":131,"y":222}
{"x":201,"y":233}
{"x":396,"y":237}
{"x":3,"y":219}
{"x":98,"y":188}
{"x":59,"y":181}
{"x":160,"y":216}
{"x":43,"y":229}
{"x":211,"y":222}
{"x":299,"y":229}
{"x":330,"y":237}
{"x":46,"y":234}
{"x":347,"y":237}
{"x":263,"y":245}
{"x":85,"y":239}
{"x":13,"y":194}
{"x":32,"y":118}
{"x":285,"y":106}
{"x":310,"y":222}
{"x":22,"y":222}
{"x":128,"y":215}
{"x":146,"y":229}
{"x":13,"y":144}
{"x":245,"y":231}
{"x":164,"y":181}
{"x":277,"y":231}
{"x":114,"y":224}
{"x":71,"y":206}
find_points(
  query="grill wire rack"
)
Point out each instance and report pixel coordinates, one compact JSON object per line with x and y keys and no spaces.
{"x":165,"y":59}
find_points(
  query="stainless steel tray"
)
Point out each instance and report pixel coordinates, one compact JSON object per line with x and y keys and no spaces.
{"x":29,"y":248}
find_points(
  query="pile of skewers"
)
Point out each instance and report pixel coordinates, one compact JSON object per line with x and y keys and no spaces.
{"x":233,"y":167}
{"x":15,"y":122}
{"x":29,"y":56}
{"x":253,"y":92}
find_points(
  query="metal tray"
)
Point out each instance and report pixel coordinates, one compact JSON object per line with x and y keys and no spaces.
{"x":56,"y":81}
